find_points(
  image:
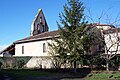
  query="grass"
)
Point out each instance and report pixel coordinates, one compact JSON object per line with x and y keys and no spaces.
{"x":112,"y":75}
{"x":61,"y":75}
{"x":26,"y":74}
{"x":23,"y":74}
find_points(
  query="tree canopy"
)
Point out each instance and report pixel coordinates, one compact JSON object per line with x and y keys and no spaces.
{"x":75,"y":34}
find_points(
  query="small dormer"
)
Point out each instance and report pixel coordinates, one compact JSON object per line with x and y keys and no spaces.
{"x":39,"y":24}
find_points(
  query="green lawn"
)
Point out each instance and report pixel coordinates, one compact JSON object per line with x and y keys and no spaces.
{"x":103,"y":75}
{"x":56,"y":75}
{"x":28,"y":74}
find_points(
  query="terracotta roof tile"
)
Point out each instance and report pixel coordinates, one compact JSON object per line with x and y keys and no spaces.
{"x":45,"y":35}
{"x":112,"y":30}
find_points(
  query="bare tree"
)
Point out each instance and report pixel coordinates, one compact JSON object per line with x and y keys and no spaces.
{"x":111,"y":44}
{"x":110,"y":36}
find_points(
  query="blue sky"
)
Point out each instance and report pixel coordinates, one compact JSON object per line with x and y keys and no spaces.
{"x":16,"y":15}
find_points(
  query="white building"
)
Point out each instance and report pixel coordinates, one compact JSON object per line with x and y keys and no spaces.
{"x":112,"y":40}
{"x":36,"y":45}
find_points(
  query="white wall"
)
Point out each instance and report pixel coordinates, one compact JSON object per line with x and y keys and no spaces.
{"x":103,"y":27}
{"x":1,"y":55}
{"x":111,"y":42}
{"x":32,"y":48}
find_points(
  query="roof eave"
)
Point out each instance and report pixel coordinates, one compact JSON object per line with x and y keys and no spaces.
{"x":31,"y":40}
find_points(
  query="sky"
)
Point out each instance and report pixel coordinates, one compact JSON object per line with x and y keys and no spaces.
{"x":16,"y":16}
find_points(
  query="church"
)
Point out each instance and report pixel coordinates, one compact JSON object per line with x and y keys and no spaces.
{"x":36,"y":45}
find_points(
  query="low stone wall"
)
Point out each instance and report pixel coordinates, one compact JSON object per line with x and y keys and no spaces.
{"x":26,"y":62}
{"x":40,"y":62}
{"x":13,"y":62}
{"x":35,"y":62}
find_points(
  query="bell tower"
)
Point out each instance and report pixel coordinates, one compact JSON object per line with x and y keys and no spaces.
{"x":39,"y":24}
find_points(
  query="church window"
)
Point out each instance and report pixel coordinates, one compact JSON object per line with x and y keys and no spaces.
{"x":22,"y":49}
{"x":42,"y":28}
{"x":38,"y":26}
{"x":40,"y":19}
{"x":44,"y":47}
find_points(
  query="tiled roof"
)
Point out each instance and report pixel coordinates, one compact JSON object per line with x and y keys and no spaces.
{"x":112,"y":30}
{"x":10,"y":49}
{"x":98,"y":24}
{"x":42,"y":36}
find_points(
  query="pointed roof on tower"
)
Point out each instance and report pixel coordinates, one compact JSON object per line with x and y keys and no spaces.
{"x":39,"y":13}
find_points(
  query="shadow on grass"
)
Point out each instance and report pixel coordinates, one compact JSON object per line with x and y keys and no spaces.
{"x":46,"y":74}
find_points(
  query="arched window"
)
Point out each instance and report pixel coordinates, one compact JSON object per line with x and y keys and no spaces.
{"x":40,"y":19}
{"x":38,"y":26}
{"x":22,"y":49}
{"x":44,"y":47}
{"x":42,"y":27}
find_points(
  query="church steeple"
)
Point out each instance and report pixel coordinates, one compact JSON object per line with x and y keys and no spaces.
{"x":39,"y":24}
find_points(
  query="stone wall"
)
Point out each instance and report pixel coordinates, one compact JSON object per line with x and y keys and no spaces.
{"x":39,"y":62}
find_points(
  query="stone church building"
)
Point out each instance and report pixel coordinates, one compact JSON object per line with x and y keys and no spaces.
{"x":36,"y":45}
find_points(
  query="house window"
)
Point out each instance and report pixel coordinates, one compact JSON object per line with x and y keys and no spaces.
{"x":22,"y":49}
{"x":44,"y":47}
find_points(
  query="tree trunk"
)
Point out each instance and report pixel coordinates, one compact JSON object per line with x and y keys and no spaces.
{"x":107,"y":65}
{"x":75,"y":69}
{"x":91,"y":66}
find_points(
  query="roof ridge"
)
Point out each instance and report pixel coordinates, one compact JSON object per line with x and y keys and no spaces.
{"x":43,"y":33}
{"x":39,"y":36}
